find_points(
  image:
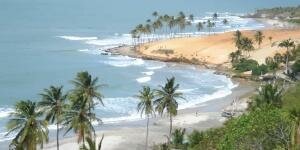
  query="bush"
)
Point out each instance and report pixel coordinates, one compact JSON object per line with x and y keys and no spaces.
{"x":259,"y":70}
{"x":245,"y":65}
{"x":296,"y":66}
{"x":264,"y":128}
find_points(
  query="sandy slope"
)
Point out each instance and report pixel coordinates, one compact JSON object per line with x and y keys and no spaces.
{"x":215,"y":49}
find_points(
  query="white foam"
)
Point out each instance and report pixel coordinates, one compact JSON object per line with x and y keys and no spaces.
{"x":124,"y":61}
{"x":5,"y":112}
{"x":148,"y":73}
{"x":143,"y":79}
{"x":78,"y":38}
{"x":156,"y":67}
{"x":187,"y":90}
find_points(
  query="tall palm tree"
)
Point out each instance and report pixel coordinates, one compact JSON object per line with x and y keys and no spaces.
{"x":270,"y":39}
{"x":53,"y":105}
{"x":237,"y":36}
{"x":167,"y":100}
{"x":78,"y":118}
{"x":246,"y":44}
{"x":155,"y":14}
{"x":287,"y":44}
{"x":191,"y":17}
{"x":225,"y":22}
{"x":215,"y":16}
{"x":145,"y":106}
{"x":259,"y":37}
{"x":210,"y":25}
{"x":31,"y":129}
{"x":199,"y":26}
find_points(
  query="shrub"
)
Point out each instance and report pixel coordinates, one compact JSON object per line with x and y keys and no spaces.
{"x":245,"y":65}
{"x":259,"y":70}
{"x":296,"y":66}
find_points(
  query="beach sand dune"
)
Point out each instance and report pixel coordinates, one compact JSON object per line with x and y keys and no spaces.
{"x":215,"y":49}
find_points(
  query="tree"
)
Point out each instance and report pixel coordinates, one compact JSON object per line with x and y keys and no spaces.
{"x":225,"y":22}
{"x":145,"y":106}
{"x":178,"y":137}
{"x":270,"y":39}
{"x":191,"y":17}
{"x":237,"y":36}
{"x":235,"y":56}
{"x":78,"y":118}
{"x":53,"y":105}
{"x":167,"y":100}
{"x":87,"y":88}
{"x":268,"y":94}
{"x":210,"y":25}
{"x":259,"y":37}
{"x":215,"y":16}
{"x":199,"y":26}
{"x":246,"y":45}
{"x":287,"y":44}
{"x":92,"y":144}
{"x":31,"y":129}
{"x":155,"y":14}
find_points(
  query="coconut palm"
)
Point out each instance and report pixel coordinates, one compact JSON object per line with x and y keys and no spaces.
{"x":259,"y":37}
{"x":225,"y":22}
{"x":271,"y":94}
{"x":287,"y":44}
{"x":145,"y":106}
{"x":155,"y":14}
{"x":270,"y":39}
{"x":237,"y":36}
{"x":92,"y":144}
{"x":78,"y":118}
{"x":191,"y":17}
{"x":210,"y":25}
{"x":246,"y":45}
{"x":199,"y":26}
{"x":235,"y":56}
{"x":215,"y":16}
{"x":167,"y":100}
{"x":53,"y":106}
{"x":27,"y":123}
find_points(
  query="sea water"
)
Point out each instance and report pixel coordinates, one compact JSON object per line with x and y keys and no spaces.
{"x":47,"y":42}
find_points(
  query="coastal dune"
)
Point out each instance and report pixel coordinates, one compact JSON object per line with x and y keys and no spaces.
{"x":215,"y":49}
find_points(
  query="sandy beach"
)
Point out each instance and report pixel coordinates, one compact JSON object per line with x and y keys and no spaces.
{"x":131,"y":135}
{"x":211,"y":50}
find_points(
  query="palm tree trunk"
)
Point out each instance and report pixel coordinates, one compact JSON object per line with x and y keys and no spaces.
{"x":170,"y":132}
{"x":147,"y":132}
{"x":57,"y":136}
{"x":287,"y":61}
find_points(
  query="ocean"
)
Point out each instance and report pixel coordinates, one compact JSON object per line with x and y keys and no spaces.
{"x":45,"y":43}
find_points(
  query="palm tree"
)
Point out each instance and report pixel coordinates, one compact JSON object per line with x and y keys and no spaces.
{"x":237,"y":36}
{"x":53,"y":105}
{"x":155,"y":14}
{"x":31,"y":129}
{"x":167,"y":100}
{"x":210,"y":25}
{"x":191,"y":17}
{"x":259,"y":37}
{"x":235,"y":56}
{"x":270,"y":93}
{"x":225,"y":22}
{"x":246,"y":44}
{"x":145,"y":106}
{"x":215,"y":16}
{"x":199,"y":26}
{"x":178,"y":137}
{"x":78,"y":118}
{"x":92,"y":144}
{"x":287,"y":44}
{"x":270,"y":39}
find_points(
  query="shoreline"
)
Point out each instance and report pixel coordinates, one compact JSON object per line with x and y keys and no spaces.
{"x":201,"y":117}
{"x":131,"y":134}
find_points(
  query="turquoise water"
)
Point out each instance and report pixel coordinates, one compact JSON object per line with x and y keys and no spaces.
{"x":45,"y":43}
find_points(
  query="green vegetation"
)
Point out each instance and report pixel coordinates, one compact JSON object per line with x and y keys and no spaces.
{"x":170,"y":26}
{"x":272,"y":122}
{"x":290,"y":14}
